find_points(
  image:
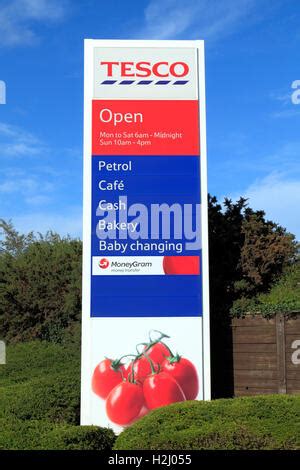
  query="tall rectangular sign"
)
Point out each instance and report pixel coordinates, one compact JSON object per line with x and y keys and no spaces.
{"x":145,"y":320}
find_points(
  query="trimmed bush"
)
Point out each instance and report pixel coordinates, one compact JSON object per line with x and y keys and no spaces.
{"x":41,"y":381}
{"x":40,"y":398}
{"x":43,"y":435}
{"x":263,"y":422}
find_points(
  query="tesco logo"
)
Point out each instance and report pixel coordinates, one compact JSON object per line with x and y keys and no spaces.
{"x":142,"y":69}
{"x":103,"y":263}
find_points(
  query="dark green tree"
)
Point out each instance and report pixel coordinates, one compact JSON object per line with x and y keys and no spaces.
{"x":247,"y":253}
{"x":40,"y":284}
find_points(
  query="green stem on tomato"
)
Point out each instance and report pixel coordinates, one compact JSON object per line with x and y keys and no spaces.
{"x":147,"y":346}
{"x":174,"y":358}
{"x":159,"y":341}
{"x":131,"y":374}
{"x":162,"y":335}
{"x":117,"y":362}
{"x":136,"y":348}
{"x":153,"y":371}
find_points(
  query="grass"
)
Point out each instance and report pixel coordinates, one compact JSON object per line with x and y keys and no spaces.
{"x":266,"y":422}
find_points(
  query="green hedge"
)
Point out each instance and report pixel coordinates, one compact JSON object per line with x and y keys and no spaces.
{"x":40,"y":398}
{"x":40,"y":289}
{"x":263,"y":422}
{"x":16,"y":434}
{"x":41,"y":381}
{"x":283,"y":297}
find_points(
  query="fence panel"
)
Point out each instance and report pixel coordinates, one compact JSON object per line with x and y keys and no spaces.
{"x":266,"y":355}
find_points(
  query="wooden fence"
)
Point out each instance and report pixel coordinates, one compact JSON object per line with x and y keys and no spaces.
{"x":266,"y":355}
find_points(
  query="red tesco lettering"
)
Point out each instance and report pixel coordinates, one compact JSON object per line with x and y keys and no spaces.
{"x":146,"y":69}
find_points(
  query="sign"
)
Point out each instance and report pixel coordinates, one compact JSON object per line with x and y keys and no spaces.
{"x":145,"y":320}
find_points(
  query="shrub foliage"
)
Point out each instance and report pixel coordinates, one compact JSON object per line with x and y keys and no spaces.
{"x":247,"y":253}
{"x":262,"y":422}
{"x":283,"y":297}
{"x":41,"y":380}
{"x":40,"y":398}
{"x":40,"y":285}
{"x":45,"y":435}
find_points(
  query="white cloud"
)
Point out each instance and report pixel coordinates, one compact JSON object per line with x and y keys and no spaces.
{"x":19,"y":17}
{"x":286,"y":113}
{"x":67,"y":223}
{"x":287,"y":107}
{"x":7,"y":186}
{"x":208,"y":19}
{"x":243,"y":166}
{"x":20,"y":186}
{"x":11,"y":186}
{"x":279,"y":196}
{"x":24,"y":185}
{"x":37,"y":200}
{"x":16,"y":142}
{"x":282,"y":96}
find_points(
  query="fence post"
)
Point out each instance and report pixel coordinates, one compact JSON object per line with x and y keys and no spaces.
{"x":280,"y":345}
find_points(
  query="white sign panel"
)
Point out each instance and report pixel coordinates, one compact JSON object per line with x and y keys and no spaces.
{"x":145,"y":320}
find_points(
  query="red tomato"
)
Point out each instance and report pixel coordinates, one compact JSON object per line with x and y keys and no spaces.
{"x":144,"y":411}
{"x":106,"y":376}
{"x":124,"y":403}
{"x":185,"y":373}
{"x":161,"y":389}
{"x":181,"y":265}
{"x":158,"y":353}
{"x":141,"y":369}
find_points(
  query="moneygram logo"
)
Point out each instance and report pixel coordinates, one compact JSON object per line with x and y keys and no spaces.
{"x":128,"y":265}
{"x":103,"y":263}
{"x":145,"y":73}
{"x":131,"y":265}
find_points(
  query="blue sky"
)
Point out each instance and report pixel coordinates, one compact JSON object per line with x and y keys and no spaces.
{"x":253,"y":127}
